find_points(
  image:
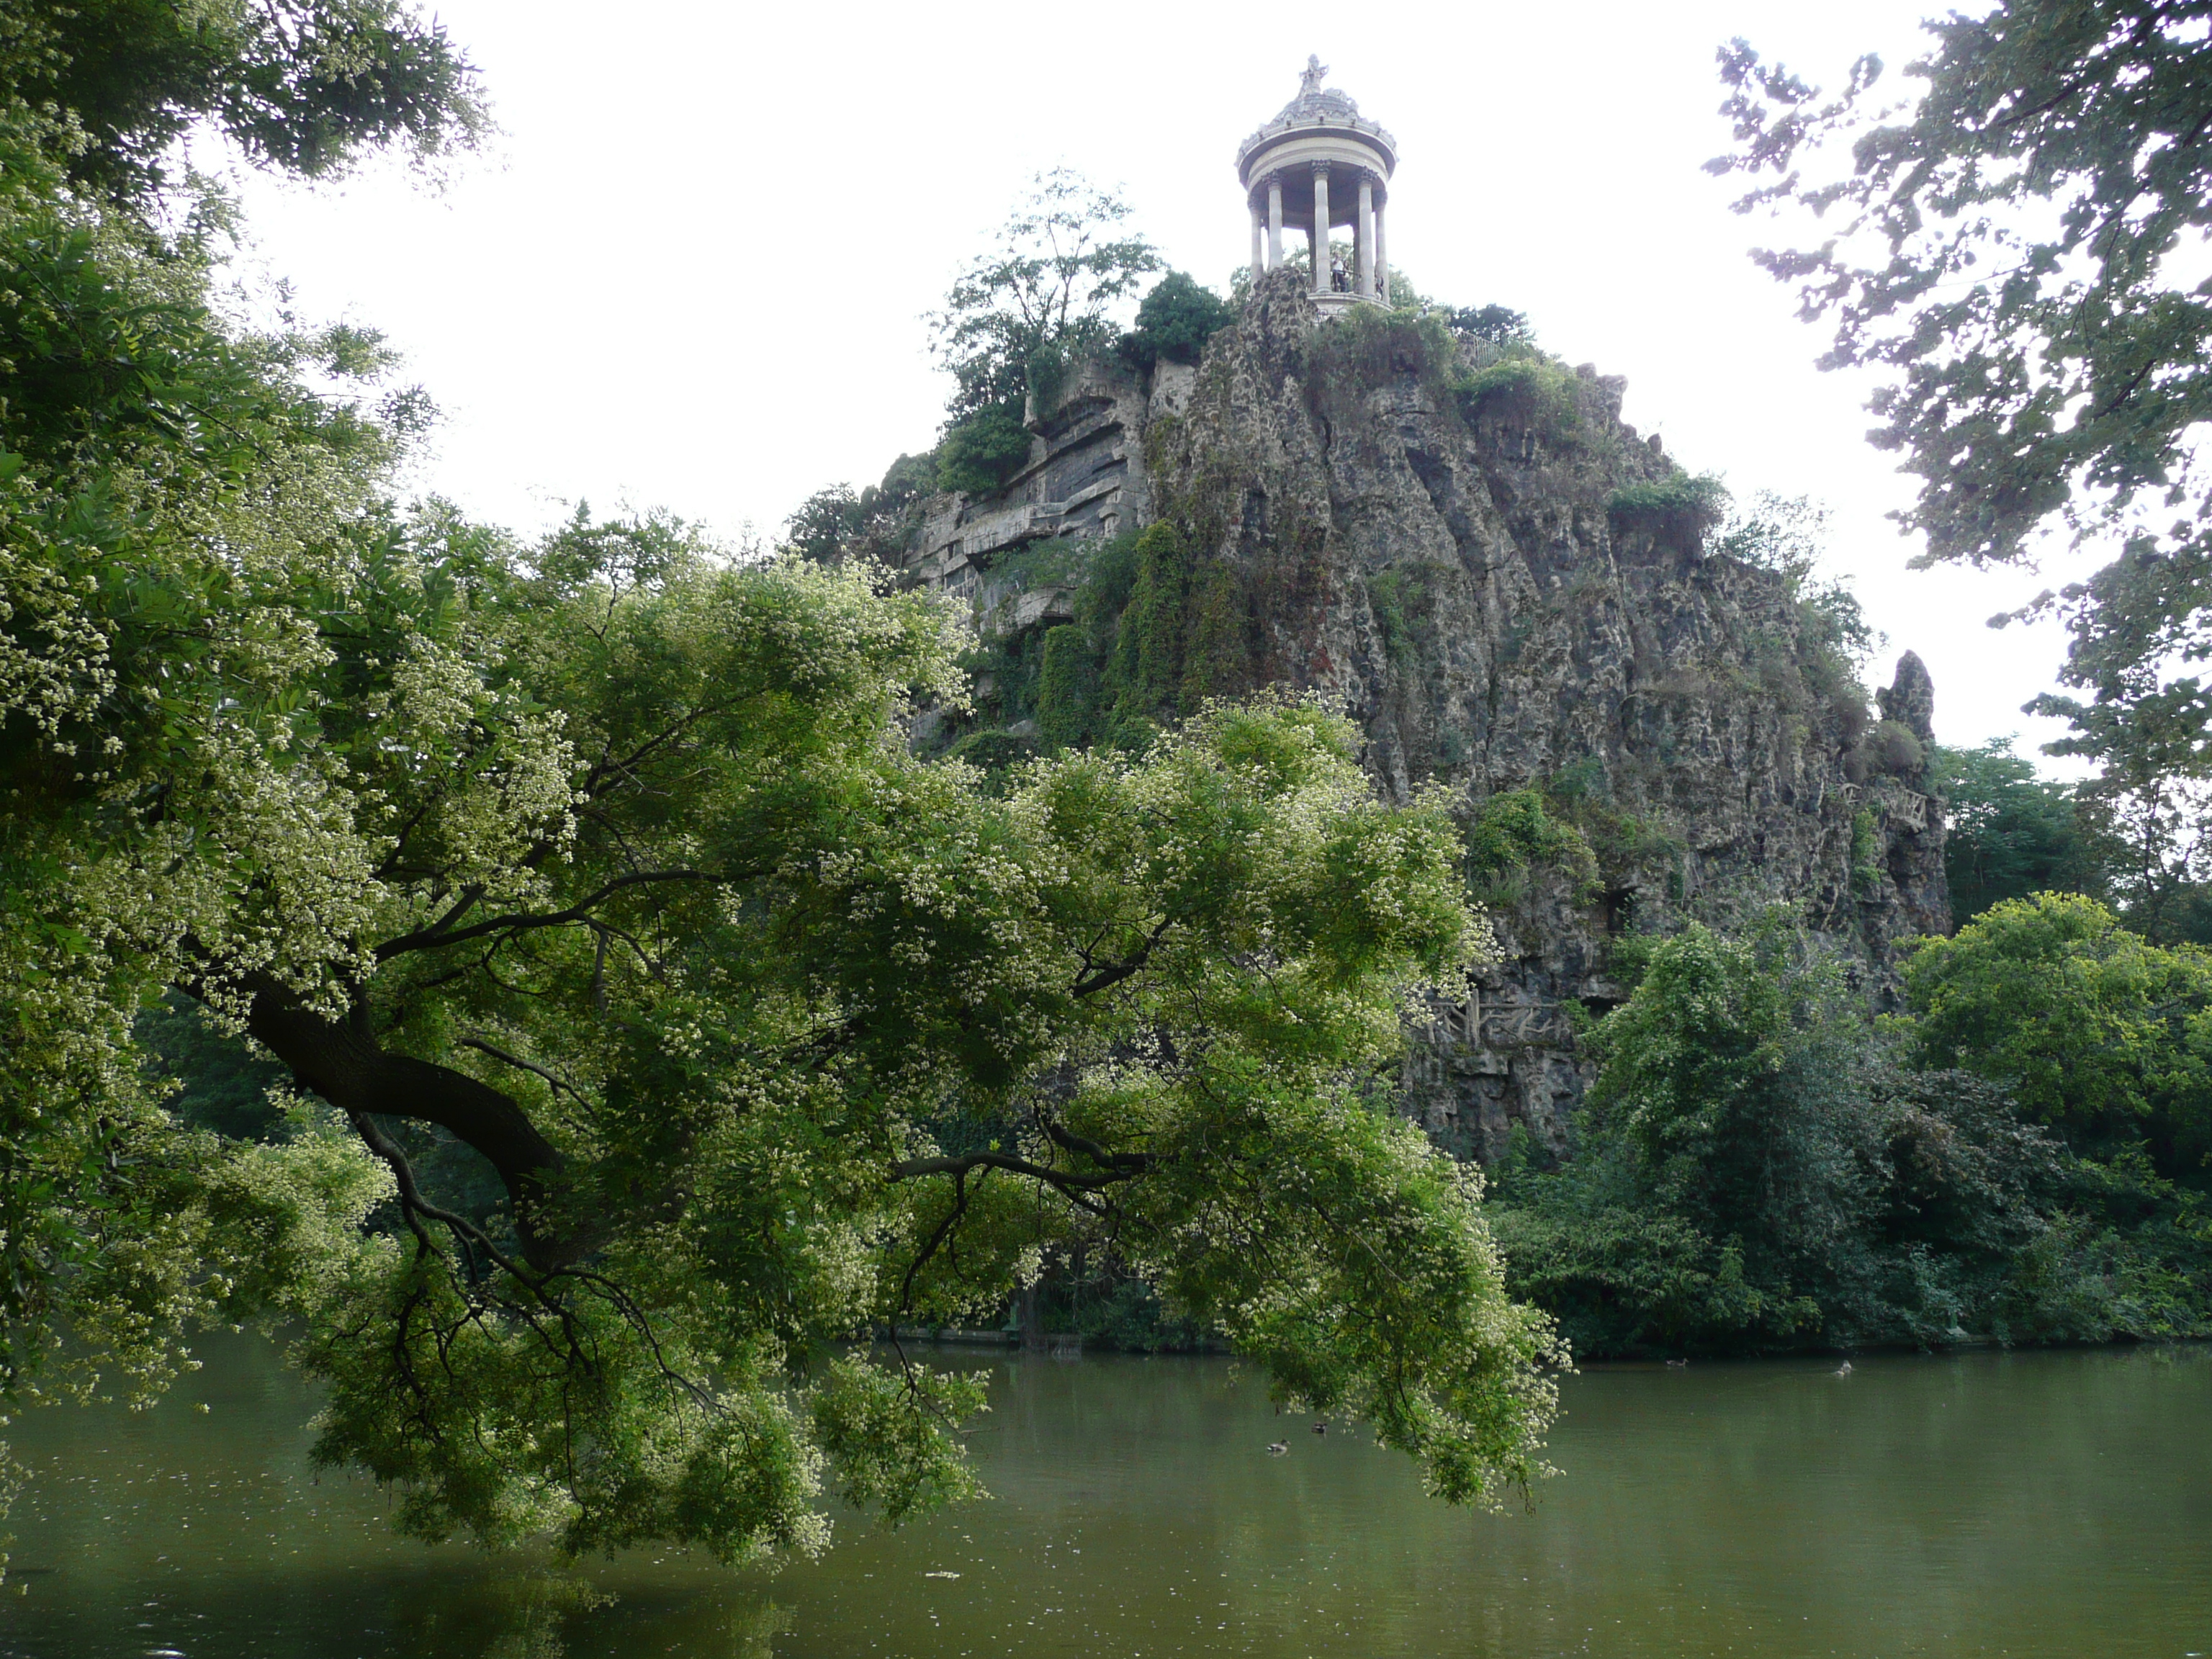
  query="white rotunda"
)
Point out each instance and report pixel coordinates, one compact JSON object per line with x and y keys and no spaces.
{"x":1316,"y":165}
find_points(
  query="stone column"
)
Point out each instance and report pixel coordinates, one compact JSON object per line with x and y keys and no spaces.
{"x":1321,"y":227}
{"x":1258,"y":269}
{"x":1366,"y":236}
{"x":1274,"y":220}
{"x":1382,"y":253}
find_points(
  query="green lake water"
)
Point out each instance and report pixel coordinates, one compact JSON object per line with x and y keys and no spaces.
{"x":2028,"y":1503}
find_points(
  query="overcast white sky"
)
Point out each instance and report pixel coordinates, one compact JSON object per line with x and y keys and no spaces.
{"x":692,"y":274}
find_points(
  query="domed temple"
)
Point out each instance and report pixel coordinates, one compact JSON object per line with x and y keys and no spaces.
{"x":1464,"y":546}
{"x":1318,"y":165}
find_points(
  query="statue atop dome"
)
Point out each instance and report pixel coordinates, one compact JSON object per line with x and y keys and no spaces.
{"x":1309,"y":81}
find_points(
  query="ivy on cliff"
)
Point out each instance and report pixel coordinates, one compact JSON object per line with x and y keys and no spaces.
{"x":1156,"y":635}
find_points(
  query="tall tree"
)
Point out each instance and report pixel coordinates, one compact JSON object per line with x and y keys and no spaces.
{"x":1049,"y":289}
{"x":2012,"y":832}
{"x":2092,"y":1029}
{"x":2021,"y":252}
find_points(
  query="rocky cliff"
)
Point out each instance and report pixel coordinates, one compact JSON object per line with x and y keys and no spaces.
{"x":1462,"y":541}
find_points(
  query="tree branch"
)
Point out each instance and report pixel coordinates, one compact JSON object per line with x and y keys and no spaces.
{"x":1130,"y":1162}
{"x":1099,"y":978}
{"x":431,"y":939}
{"x":341,"y":1062}
{"x":1079,"y":1189}
{"x":522,"y":1065}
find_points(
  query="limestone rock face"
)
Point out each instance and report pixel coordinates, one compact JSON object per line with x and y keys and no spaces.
{"x":1083,"y":482}
{"x":1500,"y":581}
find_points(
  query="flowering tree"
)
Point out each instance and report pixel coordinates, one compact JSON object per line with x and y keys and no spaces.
{"x":599,"y":868}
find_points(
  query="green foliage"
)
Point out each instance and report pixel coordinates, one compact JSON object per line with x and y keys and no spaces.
{"x":1157,"y":636}
{"x":823,"y":524}
{"x":1002,"y":670}
{"x":882,"y":1432}
{"x":1894,"y":748}
{"x":306,"y":86}
{"x":2094,"y":1030}
{"x":1045,"y":296}
{"x":1108,"y":582}
{"x":1756,"y":1170}
{"x":1787,"y":535}
{"x":1146,"y":668}
{"x":1349,"y":1172}
{"x":1496,"y":323}
{"x":991,"y":751}
{"x":1716,"y":1061}
{"x":1623,"y":1280}
{"x":1112,"y":1308}
{"x":981,"y":454}
{"x":2016,"y":250}
{"x":1524,"y":387}
{"x":1215,"y":660}
{"x":1620,"y":841}
{"x":2007,"y":254}
{"x":2136,"y":624}
{"x":1067,"y":687}
{"x":1677,"y":509}
{"x":1366,"y":348}
{"x":2011,"y":832}
{"x":1403,"y":296}
{"x":1175,"y":321}
{"x":1074,"y":696}
{"x":1513,"y":830}
{"x":1866,"y":855}
{"x":1386,"y":598}
{"x":220,"y":1085}
{"x":835,"y":524}
{"x":717,"y":1025}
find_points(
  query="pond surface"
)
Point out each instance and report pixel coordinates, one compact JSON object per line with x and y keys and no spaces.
{"x":2049,"y":1503}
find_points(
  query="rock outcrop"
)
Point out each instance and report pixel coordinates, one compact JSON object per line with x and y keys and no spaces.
{"x":1464,"y":545}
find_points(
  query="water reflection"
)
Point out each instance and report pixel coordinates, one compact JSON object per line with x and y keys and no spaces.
{"x":2028,"y":1503}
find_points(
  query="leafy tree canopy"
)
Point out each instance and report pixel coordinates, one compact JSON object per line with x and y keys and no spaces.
{"x":650,"y":1014}
{"x":1047,"y":291}
{"x":1175,"y":321}
{"x":981,"y":454}
{"x":835,"y":524}
{"x":304,"y":86}
{"x":1759,"y":1168}
{"x":2012,"y":832}
{"x":2017,"y":249}
{"x":2092,"y":1028}
{"x":1754,"y":1171}
{"x":1499,"y":324}
{"x":2021,"y":250}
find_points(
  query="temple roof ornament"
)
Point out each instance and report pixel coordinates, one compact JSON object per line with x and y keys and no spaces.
{"x":1312,"y":100}
{"x":1316,"y":106}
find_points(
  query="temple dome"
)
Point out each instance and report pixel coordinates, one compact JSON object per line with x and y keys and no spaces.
{"x":1318,"y":114}
{"x":1326,"y":101}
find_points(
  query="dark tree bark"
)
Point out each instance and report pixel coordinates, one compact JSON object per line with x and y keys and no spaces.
{"x":343,"y":1062}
